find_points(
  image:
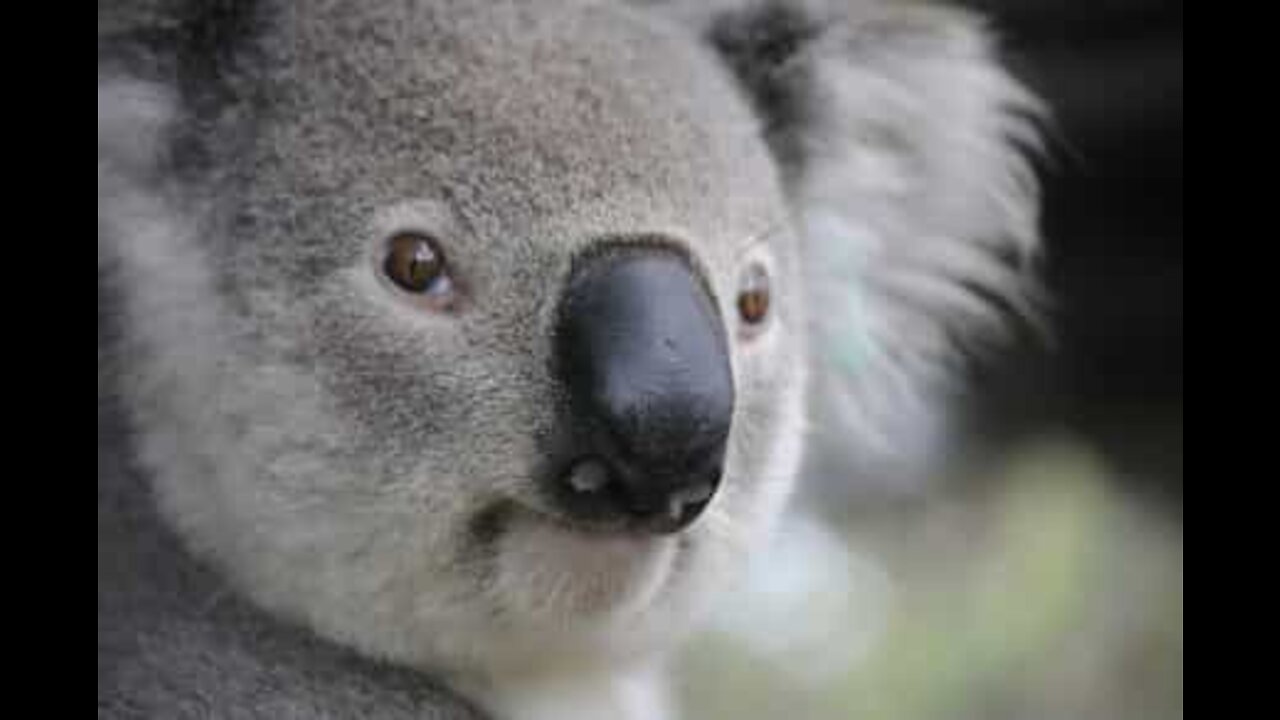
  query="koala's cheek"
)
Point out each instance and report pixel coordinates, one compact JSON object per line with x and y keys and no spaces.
{"x":552,"y":574}
{"x":767,"y":452}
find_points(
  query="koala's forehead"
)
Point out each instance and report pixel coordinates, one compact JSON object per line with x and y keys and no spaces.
{"x":524,"y":112}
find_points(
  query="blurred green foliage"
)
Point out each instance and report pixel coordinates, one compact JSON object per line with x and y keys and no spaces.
{"x":1044,"y":594}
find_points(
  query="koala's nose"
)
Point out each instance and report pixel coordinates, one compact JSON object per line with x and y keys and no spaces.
{"x":643,"y":353}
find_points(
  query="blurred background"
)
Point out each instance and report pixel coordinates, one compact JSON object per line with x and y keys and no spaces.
{"x":1040,"y":574}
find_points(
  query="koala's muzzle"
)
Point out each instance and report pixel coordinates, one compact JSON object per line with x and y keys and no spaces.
{"x":643,"y":353}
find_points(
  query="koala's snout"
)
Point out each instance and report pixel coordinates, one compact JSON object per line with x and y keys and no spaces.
{"x":644,"y":356}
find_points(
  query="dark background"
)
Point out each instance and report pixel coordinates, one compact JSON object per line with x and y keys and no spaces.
{"x":1112,"y":73}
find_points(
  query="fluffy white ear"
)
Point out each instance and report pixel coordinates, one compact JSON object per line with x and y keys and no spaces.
{"x":904,"y":145}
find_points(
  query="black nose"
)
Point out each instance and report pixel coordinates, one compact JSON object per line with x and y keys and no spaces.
{"x":643,"y":353}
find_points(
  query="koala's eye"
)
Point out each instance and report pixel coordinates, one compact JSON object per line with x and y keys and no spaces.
{"x":755,"y":297}
{"x":417,"y":266}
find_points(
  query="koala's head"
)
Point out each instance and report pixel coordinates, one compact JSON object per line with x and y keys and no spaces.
{"x":468,"y":332}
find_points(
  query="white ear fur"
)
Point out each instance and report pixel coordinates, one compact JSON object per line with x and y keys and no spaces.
{"x":920,"y":214}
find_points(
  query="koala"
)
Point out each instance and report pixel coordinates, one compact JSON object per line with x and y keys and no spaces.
{"x":453,"y":356}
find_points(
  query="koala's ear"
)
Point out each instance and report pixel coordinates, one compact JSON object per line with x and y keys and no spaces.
{"x":904,"y":146}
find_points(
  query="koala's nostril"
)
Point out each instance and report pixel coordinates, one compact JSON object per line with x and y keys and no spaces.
{"x":590,"y":478}
{"x":599,"y":493}
{"x":643,"y":353}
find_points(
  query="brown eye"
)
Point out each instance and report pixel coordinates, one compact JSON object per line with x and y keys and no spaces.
{"x":756,"y":297}
{"x":416,"y":265}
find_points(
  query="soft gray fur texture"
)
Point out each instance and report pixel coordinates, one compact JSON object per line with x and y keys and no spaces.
{"x":306,"y":479}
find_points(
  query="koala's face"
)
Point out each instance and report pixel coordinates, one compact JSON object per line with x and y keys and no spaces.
{"x":504,"y":349}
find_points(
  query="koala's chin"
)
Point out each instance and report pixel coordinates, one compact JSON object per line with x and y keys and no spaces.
{"x":603,"y":609}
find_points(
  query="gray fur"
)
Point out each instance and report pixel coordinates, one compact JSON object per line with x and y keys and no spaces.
{"x":174,"y":641}
{"x":346,"y":462}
